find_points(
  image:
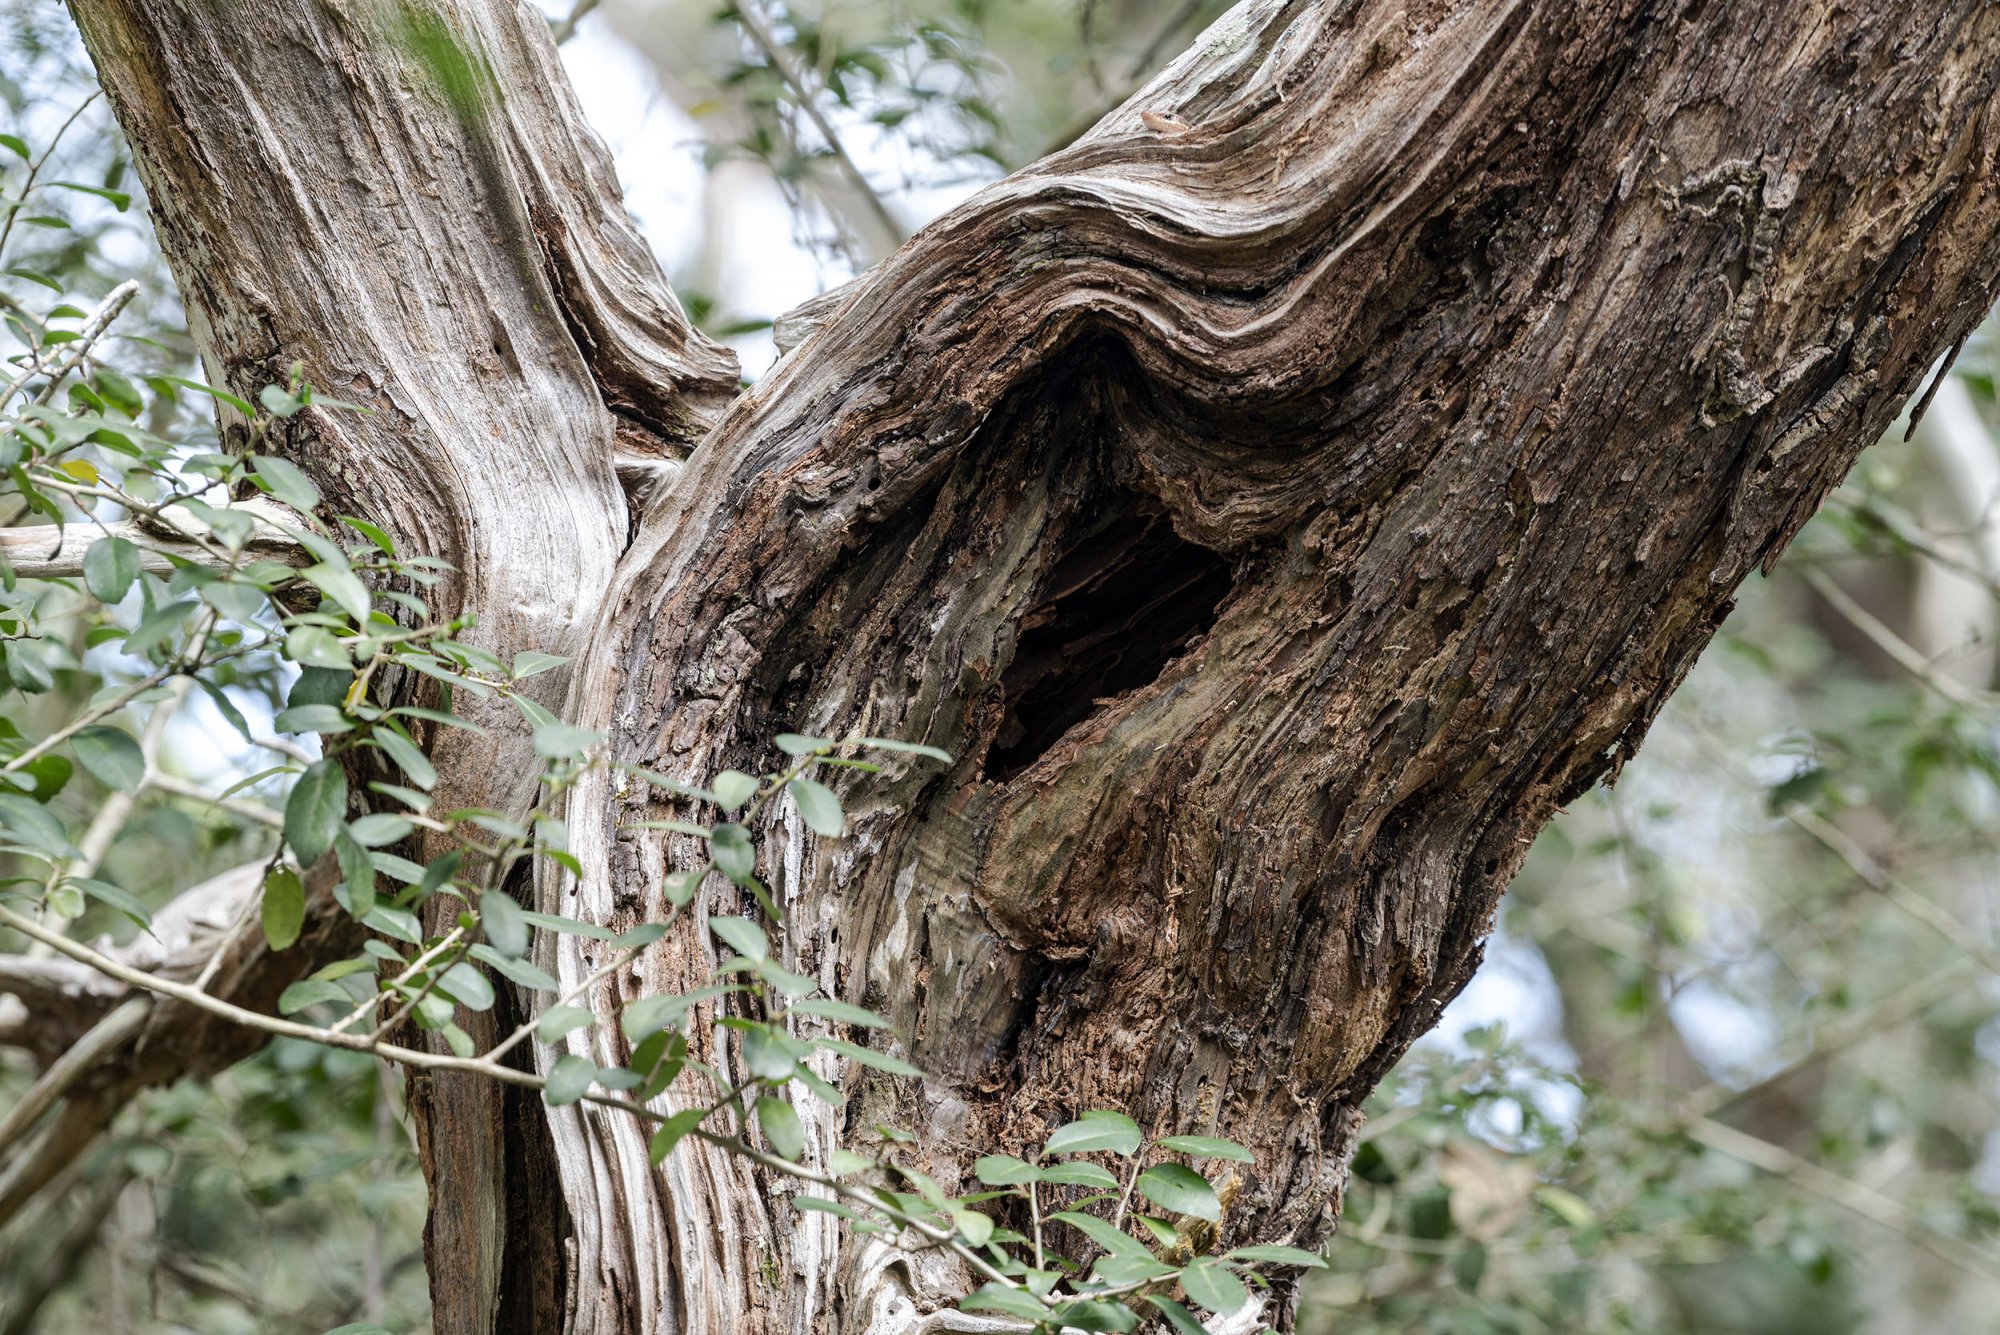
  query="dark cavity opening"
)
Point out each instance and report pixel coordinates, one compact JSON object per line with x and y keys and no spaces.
{"x":1115,"y":610}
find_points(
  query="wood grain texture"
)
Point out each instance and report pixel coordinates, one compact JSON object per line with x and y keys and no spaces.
{"x":403,"y":198}
{"x":1279,"y":500}
{"x":1486,"y":346}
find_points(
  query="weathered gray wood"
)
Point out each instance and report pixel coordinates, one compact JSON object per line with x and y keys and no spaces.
{"x":405,"y":199}
{"x":1280,"y":501}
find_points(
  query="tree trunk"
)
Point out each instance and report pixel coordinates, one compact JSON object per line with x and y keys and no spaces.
{"x":1279,"y":501}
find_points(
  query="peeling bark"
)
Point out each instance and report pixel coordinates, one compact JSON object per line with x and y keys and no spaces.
{"x":1280,"y":501}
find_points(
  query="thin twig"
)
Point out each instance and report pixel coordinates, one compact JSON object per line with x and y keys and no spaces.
{"x":75,"y":351}
{"x":255,"y":812}
{"x":35,"y":167}
{"x":781,"y":61}
{"x":1850,"y":1195}
{"x":1898,"y":1008}
{"x":561,"y":30}
{"x":1895,"y":646}
{"x":1871,"y":874}
{"x":494,"y":1070}
{"x":103,"y":1038}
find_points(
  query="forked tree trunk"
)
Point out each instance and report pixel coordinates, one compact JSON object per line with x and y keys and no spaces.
{"x":1279,"y":501}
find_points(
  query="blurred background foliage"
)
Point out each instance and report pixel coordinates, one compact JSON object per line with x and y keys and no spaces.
{"x":1732,"y":1065}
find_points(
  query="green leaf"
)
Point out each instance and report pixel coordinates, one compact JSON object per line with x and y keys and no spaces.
{"x":744,"y":936}
{"x":563,"y":741}
{"x":311,"y":992}
{"x":1096,"y":1314}
{"x":799,"y":744}
{"x":1210,"y":1283}
{"x":219,"y":395}
{"x":280,"y":403}
{"x":284,"y":480}
{"x":284,"y":910}
{"x":523,"y":972}
{"x":780,"y":1124}
{"x":27,"y":667}
{"x":974,"y":1227}
{"x":791,"y":985}
{"x":913,"y":748}
{"x":1276,"y":1255}
{"x":733,"y":788}
{"x":880,"y":1061}
{"x":735,"y":856}
{"x":671,"y":785}
{"x":1006,"y":1301}
{"x":672,"y":1132}
{"x":841,"y":1011}
{"x":315,"y":810}
{"x":35,"y":276}
{"x":404,"y":752}
{"x":343,"y":586}
{"x":238,"y":601}
{"x":648,"y":1015}
{"x":1004,"y":1170}
{"x":818,"y":805}
{"x":1097,"y":1131}
{"x":357,"y":872}
{"x":680,"y":887}
{"x":1178,"y":1188}
{"x":501,"y":919}
{"x":1177,"y":1316}
{"x":530,"y":663}
{"x":820,"y":1205}
{"x":767,"y":1055}
{"x":558,"y":1022}
{"x":64,"y":901}
{"x":315,"y":647}
{"x":155,"y":629}
{"x":111,"y":756}
{"x":116,"y":897}
{"x":16,"y":145}
{"x":660,"y":1060}
{"x":570,"y":1078}
{"x":467,"y":986}
{"x":1082,"y":1173}
{"x":225,"y":707}
{"x":1113,"y":1240}
{"x":394,"y":922}
{"x":383,"y":542}
{"x":567,"y":926}
{"x":645,"y":934}
{"x":49,"y":773}
{"x":118,"y":199}
{"x":1213,"y":1147}
{"x":379,"y":828}
{"x":109,"y":567}
{"x":312,"y":718}
{"x":671,"y":826}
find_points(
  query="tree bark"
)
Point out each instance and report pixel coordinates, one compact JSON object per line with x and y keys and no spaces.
{"x":1280,"y":501}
